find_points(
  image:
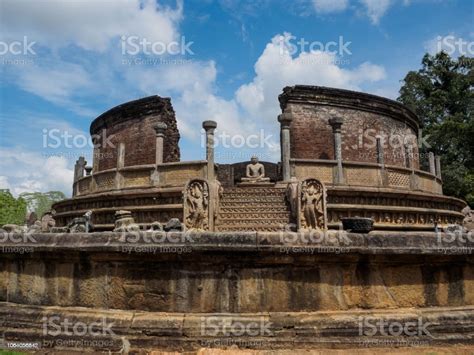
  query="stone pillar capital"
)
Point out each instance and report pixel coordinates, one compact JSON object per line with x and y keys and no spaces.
{"x":336,"y":124}
{"x":285,"y":119}
{"x":160,"y":128}
{"x":209,"y":126}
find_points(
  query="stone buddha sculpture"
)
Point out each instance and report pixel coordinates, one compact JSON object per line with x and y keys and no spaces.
{"x":255,"y":172}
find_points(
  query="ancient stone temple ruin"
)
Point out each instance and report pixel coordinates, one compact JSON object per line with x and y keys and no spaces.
{"x":345,"y":232}
{"x":325,"y":134}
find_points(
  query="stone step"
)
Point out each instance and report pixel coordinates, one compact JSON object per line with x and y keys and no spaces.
{"x":250,"y":216}
{"x":274,"y":199}
{"x":252,"y":228}
{"x":253,"y":208}
{"x":256,"y":209}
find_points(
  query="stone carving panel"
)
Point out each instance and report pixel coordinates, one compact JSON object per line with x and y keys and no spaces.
{"x":312,"y":205}
{"x":398,"y":179}
{"x":84,"y":185}
{"x":136,"y":178}
{"x":362,"y":176}
{"x":105,"y":181}
{"x":196,"y":204}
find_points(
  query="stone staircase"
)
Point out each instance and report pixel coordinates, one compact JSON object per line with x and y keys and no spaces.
{"x":253,"y":208}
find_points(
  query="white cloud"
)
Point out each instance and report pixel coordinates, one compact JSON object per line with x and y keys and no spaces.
{"x":27,"y":171}
{"x":195,"y":97}
{"x":328,"y":6}
{"x":376,"y":9}
{"x":276,"y":68}
{"x":89,"y":24}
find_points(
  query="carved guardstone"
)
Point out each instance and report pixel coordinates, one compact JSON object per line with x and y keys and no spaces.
{"x":312,"y":205}
{"x":196,"y":205}
{"x":468,"y":222}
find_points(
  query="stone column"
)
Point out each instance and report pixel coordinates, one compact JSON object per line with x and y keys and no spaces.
{"x":380,"y":153}
{"x":209,"y":127}
{"x":96,"y":154}
{"x":431,"y":158}
{"x":79,"y":168}
{"x":121,"y":156}
{"x":438,"y":166}
{"x":160,"y":129}
{"x":285,"y":121}
{"x":381,"y":161}
{"x":408,"y":156}
{"x":336,"y":124}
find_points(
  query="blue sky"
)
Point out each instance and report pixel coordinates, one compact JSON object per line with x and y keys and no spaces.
{"x":82,"y":61}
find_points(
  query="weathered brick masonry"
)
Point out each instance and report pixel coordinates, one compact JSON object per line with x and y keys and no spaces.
{"x":132,"y":124}
{"x":312,"y":137}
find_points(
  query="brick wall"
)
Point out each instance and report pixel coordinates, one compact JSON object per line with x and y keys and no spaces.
{"x":366,"y":117}
{"x":312,"y":137}
{"x":132,"y":124}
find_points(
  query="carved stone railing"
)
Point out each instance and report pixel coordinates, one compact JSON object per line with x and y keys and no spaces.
{"x":165,"y":174}
{"x":367,"y":174}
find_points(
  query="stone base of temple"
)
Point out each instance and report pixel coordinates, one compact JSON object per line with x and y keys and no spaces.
{"x":138,"y":331}
{"x":246,"y":290}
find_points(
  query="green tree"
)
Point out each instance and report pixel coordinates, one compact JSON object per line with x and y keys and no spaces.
{"x":39,"y":202}
{"x":12,"y":210}
{"x":441,"y":94}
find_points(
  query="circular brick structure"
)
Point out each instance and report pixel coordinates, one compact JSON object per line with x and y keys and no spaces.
{"x":131,"y":124}
{"x":365,"y":117}
{"x":378,"y":174}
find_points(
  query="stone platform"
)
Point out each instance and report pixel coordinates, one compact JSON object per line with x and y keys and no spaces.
{"x":175,"y":290}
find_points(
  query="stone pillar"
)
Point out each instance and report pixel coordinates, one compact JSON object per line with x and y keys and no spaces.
{"x":160,"y":129}
{"x":408,"y":156}
{"x":79,"y":168}
{"x":336,"y":124}
{"x":380,"y":153}
{"x":209,"y":127}
{"x":96,"y":154}
{"x":381,"y":161}
{"x":121,"y":156}
{"x":438,"y":166}
{"x":431,"y":158}
{"x":285,"y":121}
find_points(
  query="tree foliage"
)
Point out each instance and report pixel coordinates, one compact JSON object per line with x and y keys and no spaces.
{"x":441,"y":94}
{"x":40,"y":202}
{"x":12,"y":210}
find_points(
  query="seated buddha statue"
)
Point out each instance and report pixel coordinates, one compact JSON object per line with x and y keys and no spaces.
{"x":255,"y":172}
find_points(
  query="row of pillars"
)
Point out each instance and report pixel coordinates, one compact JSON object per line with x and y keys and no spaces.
{"x":285,"y":120}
